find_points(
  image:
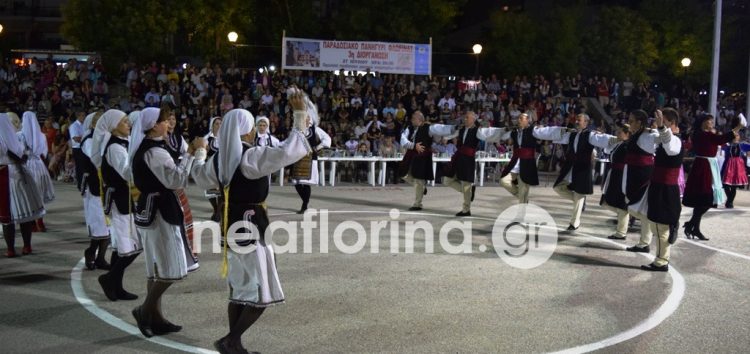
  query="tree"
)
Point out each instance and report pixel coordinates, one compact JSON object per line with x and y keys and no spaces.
{"x":118,"y":29}
{"x":620,"y":43}
{"x":396,"y":20}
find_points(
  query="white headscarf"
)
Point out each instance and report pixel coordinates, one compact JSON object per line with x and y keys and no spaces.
{"x":148,"y":119}
{"x":87,"y":123}
{"x":102,"y":132}
{"x":32,"y":133}
{"x":263,"y":119}
{"x":312,"y":110}
{"x":134,"y":116}
{"x":8,"y":138}
{"x":235,"y":124}
{"x":211,"y":128}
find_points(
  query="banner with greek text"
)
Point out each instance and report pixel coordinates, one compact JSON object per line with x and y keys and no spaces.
{"x":383,"y":57}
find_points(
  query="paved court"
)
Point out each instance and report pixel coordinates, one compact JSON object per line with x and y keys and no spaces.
{"x":590,"y":295}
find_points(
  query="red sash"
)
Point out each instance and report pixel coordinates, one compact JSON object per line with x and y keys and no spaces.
{"x":467,"y":151}
{"x":524,"y":153}
{"x":665,"y":175}
{"x":639,"y":160}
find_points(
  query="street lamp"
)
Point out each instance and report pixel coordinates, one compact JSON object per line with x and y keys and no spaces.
{"x":272,"y":68}
{"x":685,"y":64}
{"x":1,"y":28}
{"x":477,"y":49}
{"x":232,"y":36}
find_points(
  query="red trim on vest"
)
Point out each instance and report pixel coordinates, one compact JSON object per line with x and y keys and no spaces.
{"x":665,"y":175}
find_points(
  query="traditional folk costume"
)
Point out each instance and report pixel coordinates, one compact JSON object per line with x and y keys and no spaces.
{"x":265,"y":139}
{"x":76,"y":130}
{"x":733,"y":172}
{"x":416,"y":168}
{"x":91,"y":189}
{"x":241,"y":172}
{"x":703,"y":189}
{"x":159,"y":215}
{"x":159,"y":219}
{"x":521,"y":172}
{"x":305,"y":171}
{"x":613,"y":197}
{"x":213,"y":195}
{"x":110,"y":156}
{"x":35,"y":144}
{"x":659,"y":208}
{"x":177,"y":147}
{"x":460,"y":172}
{"x":20,"y":202}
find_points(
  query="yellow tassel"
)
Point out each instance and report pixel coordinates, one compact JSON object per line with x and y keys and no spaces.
{"x":225,"y":227}
{"x":101,"y":192}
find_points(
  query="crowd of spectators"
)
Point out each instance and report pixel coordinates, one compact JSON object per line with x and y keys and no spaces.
{"x":364,"y":113}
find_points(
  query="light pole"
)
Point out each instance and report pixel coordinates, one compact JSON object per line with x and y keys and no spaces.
{"x":477,"y":49}
{"x":232,"y":37}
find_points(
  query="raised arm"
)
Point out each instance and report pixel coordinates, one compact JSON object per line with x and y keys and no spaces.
{"x":550,"y":133}
{"x":602,"y":141}
{"x":203,"y":171}
{"x":262,"y":161}
{"x":171,"y":175}
{"x":493,"y":135}
{"x":441,"y":130}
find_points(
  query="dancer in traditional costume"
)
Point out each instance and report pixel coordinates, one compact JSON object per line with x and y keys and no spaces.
{"x":92,"y":203}
{"x":659,"y":208}
{"x":703,"y":189}
{"x":613,"y":197}
{"x":177,"y":146}
{"x":35,"y":144}
{"x":110,"y":156}
{"x":734,"y":173}
{"x":20,"y":202}
{"x":263,"y":136}
{"x":159,"y":216}
{"x":241,"y":172}
{"x":305,"y":171}
{"x":212,"y":139}
{"x":416,"y":166}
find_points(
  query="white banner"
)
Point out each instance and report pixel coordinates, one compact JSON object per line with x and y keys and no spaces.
{"x":383,"y":57}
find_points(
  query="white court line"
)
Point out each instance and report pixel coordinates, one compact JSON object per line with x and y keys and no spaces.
{"x":667,"y":308}
{"x":734,"y":254}
{"x":114,"y":321}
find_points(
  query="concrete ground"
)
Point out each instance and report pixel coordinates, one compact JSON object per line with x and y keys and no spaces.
{"x":590,"y":295}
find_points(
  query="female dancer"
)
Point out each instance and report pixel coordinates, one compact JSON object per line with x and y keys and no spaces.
{"x":733,"y":173}
{"x":703,"y":189}
{"x":36,"y":149}
{"x":212,"y":139}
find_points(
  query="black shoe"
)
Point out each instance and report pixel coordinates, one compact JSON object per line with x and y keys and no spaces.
{"x":646,"y":249}
{"x":124,"y":295}
{"x":102,"y":264}
{"x":688,"y":229}
{"x":415,"y":208}
{"x":165,"y":328}
{"x":89,"y":257}
{"x":144,"y":327}
{"x":425,"y":191}
{"x":473,"y":190}
{"x":221,"y":347}
{"x":729,"y":206}
{"x":463,"y":213}
{"x":302,"y":210}
{"x":616,"y":237}
{"x":571,"y":228}
{"x":655,"y":268}
{"x":584,"y":205}
{"x":109,"y":290}
{"x":699,"y":235}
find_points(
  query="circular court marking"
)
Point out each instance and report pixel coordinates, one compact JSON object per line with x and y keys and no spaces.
{"x":666,"y":309}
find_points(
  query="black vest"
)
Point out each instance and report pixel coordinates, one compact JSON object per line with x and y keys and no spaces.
{"x":213,"y":147}
{"x":471,"y":138}
{"x":174,"y":144}
{"x":638,"y":176}
{"x":529,"y":141}
{"x":245,"y":197}
{"x":90,"y":175}
{"x":269,"y":141}
{"x":423,"y":136}
{"x":312,"y":138}
{"x":528,"y":171}
{"x":116,"y":189}
{"x":664,"y":205}
{"x":154,"y":195}
{"x":578,"y":163}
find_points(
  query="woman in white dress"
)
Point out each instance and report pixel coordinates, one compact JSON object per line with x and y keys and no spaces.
{"x":111,"y":158}
{"x":91,"y":190}
{"x":159,"y":215}
{"x":212,"y":139}
{"x":35,"y":144}
{"x":20,"y":203}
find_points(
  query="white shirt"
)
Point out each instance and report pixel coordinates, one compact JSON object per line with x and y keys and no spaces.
{"x":171,"y":175}
{"x":440,"y":130}
{"x":76,"y":130}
